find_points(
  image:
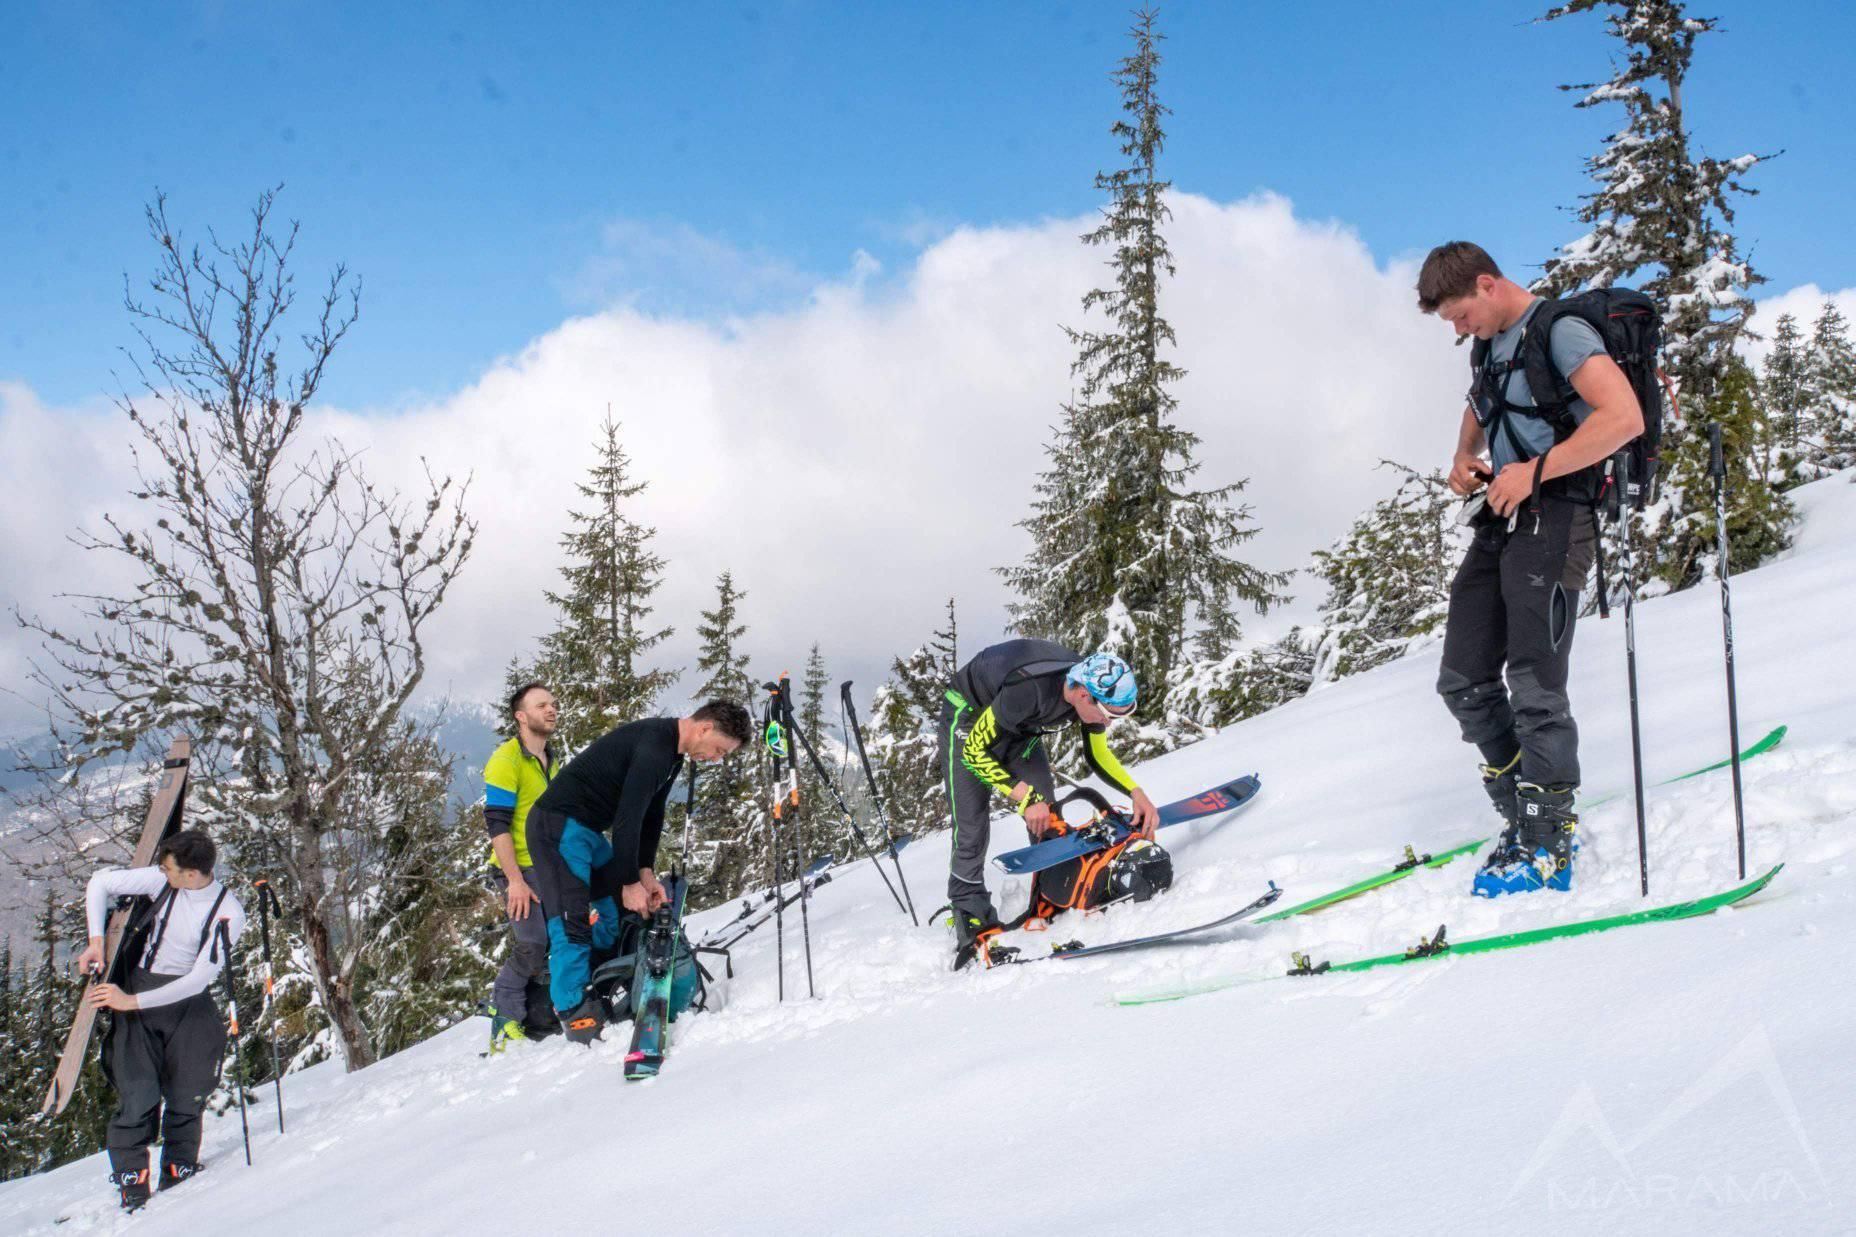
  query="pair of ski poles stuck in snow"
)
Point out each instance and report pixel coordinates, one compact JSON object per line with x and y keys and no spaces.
{"x":782,"y":733}
{"x":1717,"y":471}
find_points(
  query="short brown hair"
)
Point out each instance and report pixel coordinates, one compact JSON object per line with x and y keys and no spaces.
{"x":191,"y":850}
{"x":1450,"y":271}
{"x":729,"y":718}
{"x":515,"y":697}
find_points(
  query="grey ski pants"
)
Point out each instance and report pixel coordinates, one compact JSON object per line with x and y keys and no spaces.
{"x":972,"y":802}
{"x":522,"y":983}
{"x":1513,"y":605}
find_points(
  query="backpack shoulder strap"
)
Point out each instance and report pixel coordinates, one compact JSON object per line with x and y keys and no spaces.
{"x":1553,"y":394}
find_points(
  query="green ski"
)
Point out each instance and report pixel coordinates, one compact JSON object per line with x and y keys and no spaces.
{"x":1413,"y":861}
{"x":1440,"y":946}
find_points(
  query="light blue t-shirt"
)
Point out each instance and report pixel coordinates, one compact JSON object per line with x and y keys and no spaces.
{"x":1573,"y":343}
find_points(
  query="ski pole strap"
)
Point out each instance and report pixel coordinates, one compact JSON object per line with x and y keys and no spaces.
{"x":1717,"y":459}
{"x":956,"y":699}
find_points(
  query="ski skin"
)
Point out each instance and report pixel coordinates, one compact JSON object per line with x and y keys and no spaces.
{"x":1484,"y":944}
{"x":1227,"y":797}
{"x":651,"y":1027}
{"x":1770,"y":740}
{"x":164,"y":818}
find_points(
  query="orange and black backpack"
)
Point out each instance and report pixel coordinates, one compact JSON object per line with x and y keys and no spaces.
{"x":1133,"y":869}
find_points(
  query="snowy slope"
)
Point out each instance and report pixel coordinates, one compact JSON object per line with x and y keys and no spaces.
{"x":1691,"y":1077}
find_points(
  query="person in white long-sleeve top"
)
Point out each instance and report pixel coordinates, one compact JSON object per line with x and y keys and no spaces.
{"x":167,"y":1039}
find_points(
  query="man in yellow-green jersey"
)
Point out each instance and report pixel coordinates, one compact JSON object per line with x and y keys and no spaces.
{"x":514,"y":777}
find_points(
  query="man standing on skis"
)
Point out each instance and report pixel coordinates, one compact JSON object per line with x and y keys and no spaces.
{"x":593,"y":838}
{"x":999,"y":708}
{"x":167,"y":1037}
{"x":513,"y":779}
{"x":1515,"y":598}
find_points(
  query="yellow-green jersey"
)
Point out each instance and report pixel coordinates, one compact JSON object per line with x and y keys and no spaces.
{"x":512,"y":781}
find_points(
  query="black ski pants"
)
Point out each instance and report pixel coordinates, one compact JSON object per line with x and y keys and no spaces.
{"x":164,"y":1063}
{"x":972,"y":802}
{"x":1513,"y":605}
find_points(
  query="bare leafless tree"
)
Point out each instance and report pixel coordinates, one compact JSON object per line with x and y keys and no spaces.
{"x":278,"y":597}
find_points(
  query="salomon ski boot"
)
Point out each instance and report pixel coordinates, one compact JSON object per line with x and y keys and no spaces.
{"x":1541,"y":854}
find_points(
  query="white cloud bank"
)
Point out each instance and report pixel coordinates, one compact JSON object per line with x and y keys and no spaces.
{"x":857,"y":459}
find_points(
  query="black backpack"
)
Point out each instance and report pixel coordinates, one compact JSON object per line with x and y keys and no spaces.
{"x":1632,"y":328}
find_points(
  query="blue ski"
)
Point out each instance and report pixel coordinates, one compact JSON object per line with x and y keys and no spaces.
{"x":1110,"y":830}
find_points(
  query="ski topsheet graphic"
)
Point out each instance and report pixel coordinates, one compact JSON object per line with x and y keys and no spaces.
{"x":1107,"y":831}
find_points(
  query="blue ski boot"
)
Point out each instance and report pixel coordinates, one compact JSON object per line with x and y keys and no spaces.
{"x":1540,"y":853}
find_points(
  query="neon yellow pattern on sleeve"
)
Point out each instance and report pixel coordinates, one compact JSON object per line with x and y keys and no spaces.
{"x":1105,"y":762}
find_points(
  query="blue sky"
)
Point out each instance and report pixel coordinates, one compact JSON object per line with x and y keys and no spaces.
{"x":491,"y":169}
{"x":827,"y":243}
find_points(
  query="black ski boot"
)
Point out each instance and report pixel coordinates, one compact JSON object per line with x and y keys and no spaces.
{"x":173,"y":1172}
{"x":974,"y":936}
{"x":1498,"y":785}
{"x":134,"y":1186}
{"x":583,"y":1023}
{"x":1548,"y":823}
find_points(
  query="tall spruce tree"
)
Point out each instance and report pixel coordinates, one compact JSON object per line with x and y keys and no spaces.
{"x":728,"y":842}
{"x":593,"y":658}
{"x":1124,"y":552}
{"x":1786,"y":382}
{"x":1658,"y":208}
{"x":1661,"y":212}
{"x":1831,"y":389}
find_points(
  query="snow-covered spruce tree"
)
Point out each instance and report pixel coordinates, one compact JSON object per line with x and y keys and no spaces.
{"x":1124,"y":552}
{"x":1388,"y":579}
{"x":279,"y":599}
{"x":592,"y":659}
{"x":1832,"y":393}
{"x":1661,"y":212}
{"x":1786,"y":383}
{"x":902,"y":734}
{"x":1759,"y":517}
{"x":728,"y":842}
{"x":436,"y":938}
{"x":1658,"y":208}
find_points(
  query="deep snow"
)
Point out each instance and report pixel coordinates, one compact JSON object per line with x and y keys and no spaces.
{"x":1690,"y":1077}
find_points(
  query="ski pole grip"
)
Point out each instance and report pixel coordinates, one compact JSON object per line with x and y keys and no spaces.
{"x":1717,"y":461}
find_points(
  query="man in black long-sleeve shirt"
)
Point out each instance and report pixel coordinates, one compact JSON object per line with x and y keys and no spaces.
{"x":617,"y":786}
{"x":999,"y":708}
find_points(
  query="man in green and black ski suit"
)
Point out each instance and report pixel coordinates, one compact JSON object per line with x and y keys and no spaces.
{"x":1515,"y":599}
{"x":999,"y":708}
{"x":593,"y":837}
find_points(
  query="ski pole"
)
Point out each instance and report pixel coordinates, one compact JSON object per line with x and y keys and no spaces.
{"x":1628,"y":500}
{"x":267,"y":899}
{"x":850,"y":818}
{"x":1717,"y":466}
{"x":784,"y":690}
{"x":238,"y":1066}
{"x":876,"y":797}
{"x":776,"y":746}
